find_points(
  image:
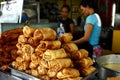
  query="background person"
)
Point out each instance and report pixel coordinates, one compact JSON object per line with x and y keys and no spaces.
{"x":67,"y":22}
{"x":92,"y":28}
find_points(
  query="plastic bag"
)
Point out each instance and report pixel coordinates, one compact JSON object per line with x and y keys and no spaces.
{"x":60,"y":30}
{"x":11,"y":11}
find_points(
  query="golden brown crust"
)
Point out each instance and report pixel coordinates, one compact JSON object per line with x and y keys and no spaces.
{"x":28,"y":31}
{"x":22,"y":39}
{"x":8,"y":47}
{"x":58,"y":64}
{"x":34,"y":72}
{"x":44,"y":63}
{"x":10,"y":35}
{"x":45,"y":34}
{"x":44,"y":45}
{"x":27,"y":49}
{"x":75,"y":78}
{"x":38,"y":34}
{"x":33,"y":64}
{"x":19,"y":45}
{"x":38,"y":52}
{"x":68,"y":73}
{"x":66,"y":37}
{"x":70,"y":47}
{"x":42,"y":70}
{"x":87,"y":71}
{"x":54,"y":54}
{"x":48,"y":34}
{"x":85,"y":62}
{"x":76,"y":55}
{"x":52,"y":73}
{"x":33,"y":41}
{"x":113,"y":78}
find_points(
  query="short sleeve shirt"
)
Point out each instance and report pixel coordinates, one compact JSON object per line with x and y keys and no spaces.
{"x":95,"y":20}
{"x":66,"y":24}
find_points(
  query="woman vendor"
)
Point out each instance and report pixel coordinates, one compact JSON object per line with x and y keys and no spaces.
{"x":92,"y":28}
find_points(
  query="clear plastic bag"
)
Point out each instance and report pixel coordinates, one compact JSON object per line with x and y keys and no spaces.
{"x":60,"y":30}
{"x":11,"y":11}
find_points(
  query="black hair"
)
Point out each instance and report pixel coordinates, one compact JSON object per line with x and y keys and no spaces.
{"x":90,"y":3}
{"x":66,"y":6}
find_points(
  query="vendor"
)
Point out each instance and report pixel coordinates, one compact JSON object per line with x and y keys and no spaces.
{"x":67,"y":22}
{"x":92,"y":28}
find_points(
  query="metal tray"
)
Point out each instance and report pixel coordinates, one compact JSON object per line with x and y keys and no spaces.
{"x":22,"y":75}
{"x":7,"y":76}
{"x":26,"y":76}
{"x":90,"y":76}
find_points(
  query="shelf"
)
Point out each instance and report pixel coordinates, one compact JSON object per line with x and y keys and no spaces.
{"x":75,"y":13}
{"x":33,"y":9}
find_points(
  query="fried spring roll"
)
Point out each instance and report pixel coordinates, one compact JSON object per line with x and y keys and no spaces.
{"x":27,"y":49}
{"x":75,"y":78}
{"x":79,"y":54}
{"x":67,"y":73}
{"x":19,"y":45}
{"x":45,"y":34}
{"x":28,"y":31}
{"x":44,"y":63}
{"x":42,"y":70}
{"x":34,"y":72}
{"x":54,"y":54}
{"x":70,"y":47}
{"x":38,"y":52}
{"x":51,"y":73}
{"x":22,"y":39}
{"x":33,"y":42}
{"x":38,"y":34}
{"x":26,"y":57}
{"x":24,"y":66}
{"x":33,"y":64}
{"x":87,"y":71}
{"x":44,"y":45}
{"x":66,"y":37}
{"x":85,"y":62}
{"x":58,"y":64}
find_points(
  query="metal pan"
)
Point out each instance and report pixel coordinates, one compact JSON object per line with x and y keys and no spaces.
{"x":105,"y":72}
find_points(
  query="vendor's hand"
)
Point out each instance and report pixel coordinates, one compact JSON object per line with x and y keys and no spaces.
{"x":74,"y":42}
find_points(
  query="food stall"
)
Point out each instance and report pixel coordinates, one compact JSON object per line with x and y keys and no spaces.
{"x":14,"y":37}
{"x":32,"y":52}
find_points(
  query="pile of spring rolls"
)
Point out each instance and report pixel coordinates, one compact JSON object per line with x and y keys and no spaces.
{"x":80,"y":57}
{"x":48,"y":58}
{"x":8,"y":40}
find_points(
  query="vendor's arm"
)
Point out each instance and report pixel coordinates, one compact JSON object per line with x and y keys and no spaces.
{"x":72,"y":27}
{"x":86,"y":36}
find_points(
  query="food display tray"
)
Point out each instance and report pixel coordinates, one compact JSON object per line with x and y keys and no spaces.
{"x":22,"y":75}
{"x":90,"y":76}
{"x":26,"y":76}
{"x":6,"y":76}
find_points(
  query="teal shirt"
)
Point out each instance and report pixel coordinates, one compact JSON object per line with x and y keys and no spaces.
{"x":95,"y":20}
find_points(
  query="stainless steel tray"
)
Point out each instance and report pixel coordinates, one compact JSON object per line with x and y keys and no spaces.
{"x":7,"y":76}
{"x":26,"y":76}
{"x":90,"y":76}
{"x":22,"y":75}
